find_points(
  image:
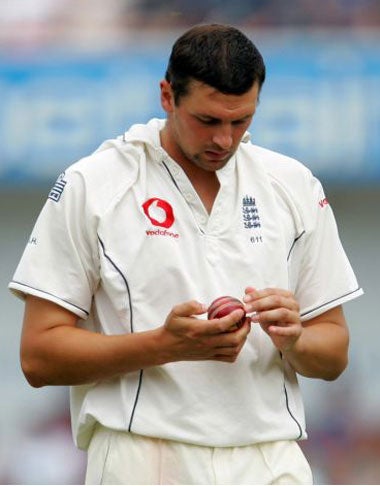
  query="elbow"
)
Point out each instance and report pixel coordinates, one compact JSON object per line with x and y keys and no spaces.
{"x":32,"y":372}
{"x":332,"y":376}
{"x":338,"y":362}
{"x":328,"y":370}
{"x":335,"y":371}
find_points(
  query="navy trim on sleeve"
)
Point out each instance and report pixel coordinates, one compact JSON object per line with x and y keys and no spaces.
{"x":53,"y":295}
{"x":328,"y":303}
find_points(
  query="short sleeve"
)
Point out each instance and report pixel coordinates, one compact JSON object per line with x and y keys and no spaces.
{"x":60,"y":262}
{"x":321,"y":274}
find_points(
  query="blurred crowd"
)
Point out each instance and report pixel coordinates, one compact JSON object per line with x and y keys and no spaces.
{"x":89,"y":23}
{"x":264,"y":13}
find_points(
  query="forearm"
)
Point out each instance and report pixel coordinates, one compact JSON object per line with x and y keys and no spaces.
{"x":316,"y":348}
{"x":320,"y":352}
{"x":73,"y":356}
{"x":55,"y":351}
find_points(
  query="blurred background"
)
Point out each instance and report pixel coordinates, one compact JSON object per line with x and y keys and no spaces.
{"x":73,"y":73}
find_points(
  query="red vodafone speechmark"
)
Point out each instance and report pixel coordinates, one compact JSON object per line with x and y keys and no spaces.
{"x":159,"y":212}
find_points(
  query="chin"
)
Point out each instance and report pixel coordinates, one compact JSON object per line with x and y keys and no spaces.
{"x":211,"y":166}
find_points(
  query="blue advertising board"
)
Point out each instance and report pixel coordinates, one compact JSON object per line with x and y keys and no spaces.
{"x":319,"y":104}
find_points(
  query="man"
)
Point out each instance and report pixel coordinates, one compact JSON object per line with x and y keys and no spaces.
{"x":133,"y":244}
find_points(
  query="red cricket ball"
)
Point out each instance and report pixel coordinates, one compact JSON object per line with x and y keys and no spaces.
{"x":222,"y":306}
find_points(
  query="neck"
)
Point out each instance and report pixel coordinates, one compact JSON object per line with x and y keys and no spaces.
{"x":205,"y":183}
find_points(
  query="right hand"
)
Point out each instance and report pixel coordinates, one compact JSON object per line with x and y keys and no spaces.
{"x":186,"y":337}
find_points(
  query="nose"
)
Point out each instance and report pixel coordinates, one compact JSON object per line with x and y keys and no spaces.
{"x":223,"y":137}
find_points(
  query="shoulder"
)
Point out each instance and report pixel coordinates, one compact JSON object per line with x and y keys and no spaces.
{"x":277,"y":166}
{"x":106,"y":174}
{"x":96,"y":180}
{"x":283,"y":171}
{"x":109,"y":164}
{"x":293,"y":184}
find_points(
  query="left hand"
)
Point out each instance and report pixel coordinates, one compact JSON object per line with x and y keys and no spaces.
{"x":277,"y":312}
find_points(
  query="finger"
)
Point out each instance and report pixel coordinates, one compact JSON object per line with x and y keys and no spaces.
{"x":279,"y":317}
{"x":252,"y":294}
{"x":224,"y":324}
{"x":273,"y":301}
{"x":189,"y":308}
{"x":227,"y":354}
{"x":233,"y":340}
{"x":230,"y":344}
{"x":285,"y":328}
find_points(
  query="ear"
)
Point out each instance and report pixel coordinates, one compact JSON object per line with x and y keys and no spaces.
{"x":167,"y":96}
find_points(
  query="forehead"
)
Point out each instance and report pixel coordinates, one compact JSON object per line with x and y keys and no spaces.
{"x":204,"y":99}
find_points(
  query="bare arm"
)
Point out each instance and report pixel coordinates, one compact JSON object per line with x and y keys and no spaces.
{"x":317,"y":348}
{"x":54,"y":351}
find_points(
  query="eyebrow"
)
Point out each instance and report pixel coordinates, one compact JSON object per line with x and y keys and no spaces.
{"x":212,"y":118}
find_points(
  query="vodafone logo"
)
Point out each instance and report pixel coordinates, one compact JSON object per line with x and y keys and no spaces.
{"x":323,"y":202}
{"x":159,"y":212}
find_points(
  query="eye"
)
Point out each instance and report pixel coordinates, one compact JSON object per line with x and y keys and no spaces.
{"x":243,"y":121}
{"x":208,"y":121}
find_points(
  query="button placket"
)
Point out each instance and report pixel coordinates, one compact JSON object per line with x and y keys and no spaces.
{"x":219,"y":218}
{"x":188,"y":192}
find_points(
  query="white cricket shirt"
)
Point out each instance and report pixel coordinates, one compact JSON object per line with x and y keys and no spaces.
{"x":123,"y":237}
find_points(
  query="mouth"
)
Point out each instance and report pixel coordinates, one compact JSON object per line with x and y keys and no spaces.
{"x":214,"y":155}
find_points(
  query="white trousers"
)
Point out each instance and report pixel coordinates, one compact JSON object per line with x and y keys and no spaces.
{"x":123,"y":458}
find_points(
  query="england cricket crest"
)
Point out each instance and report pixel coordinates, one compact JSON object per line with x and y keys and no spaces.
{"x":251,"y":218}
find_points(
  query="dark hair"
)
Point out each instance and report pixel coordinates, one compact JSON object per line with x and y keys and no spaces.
{"x":218,"y":55}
